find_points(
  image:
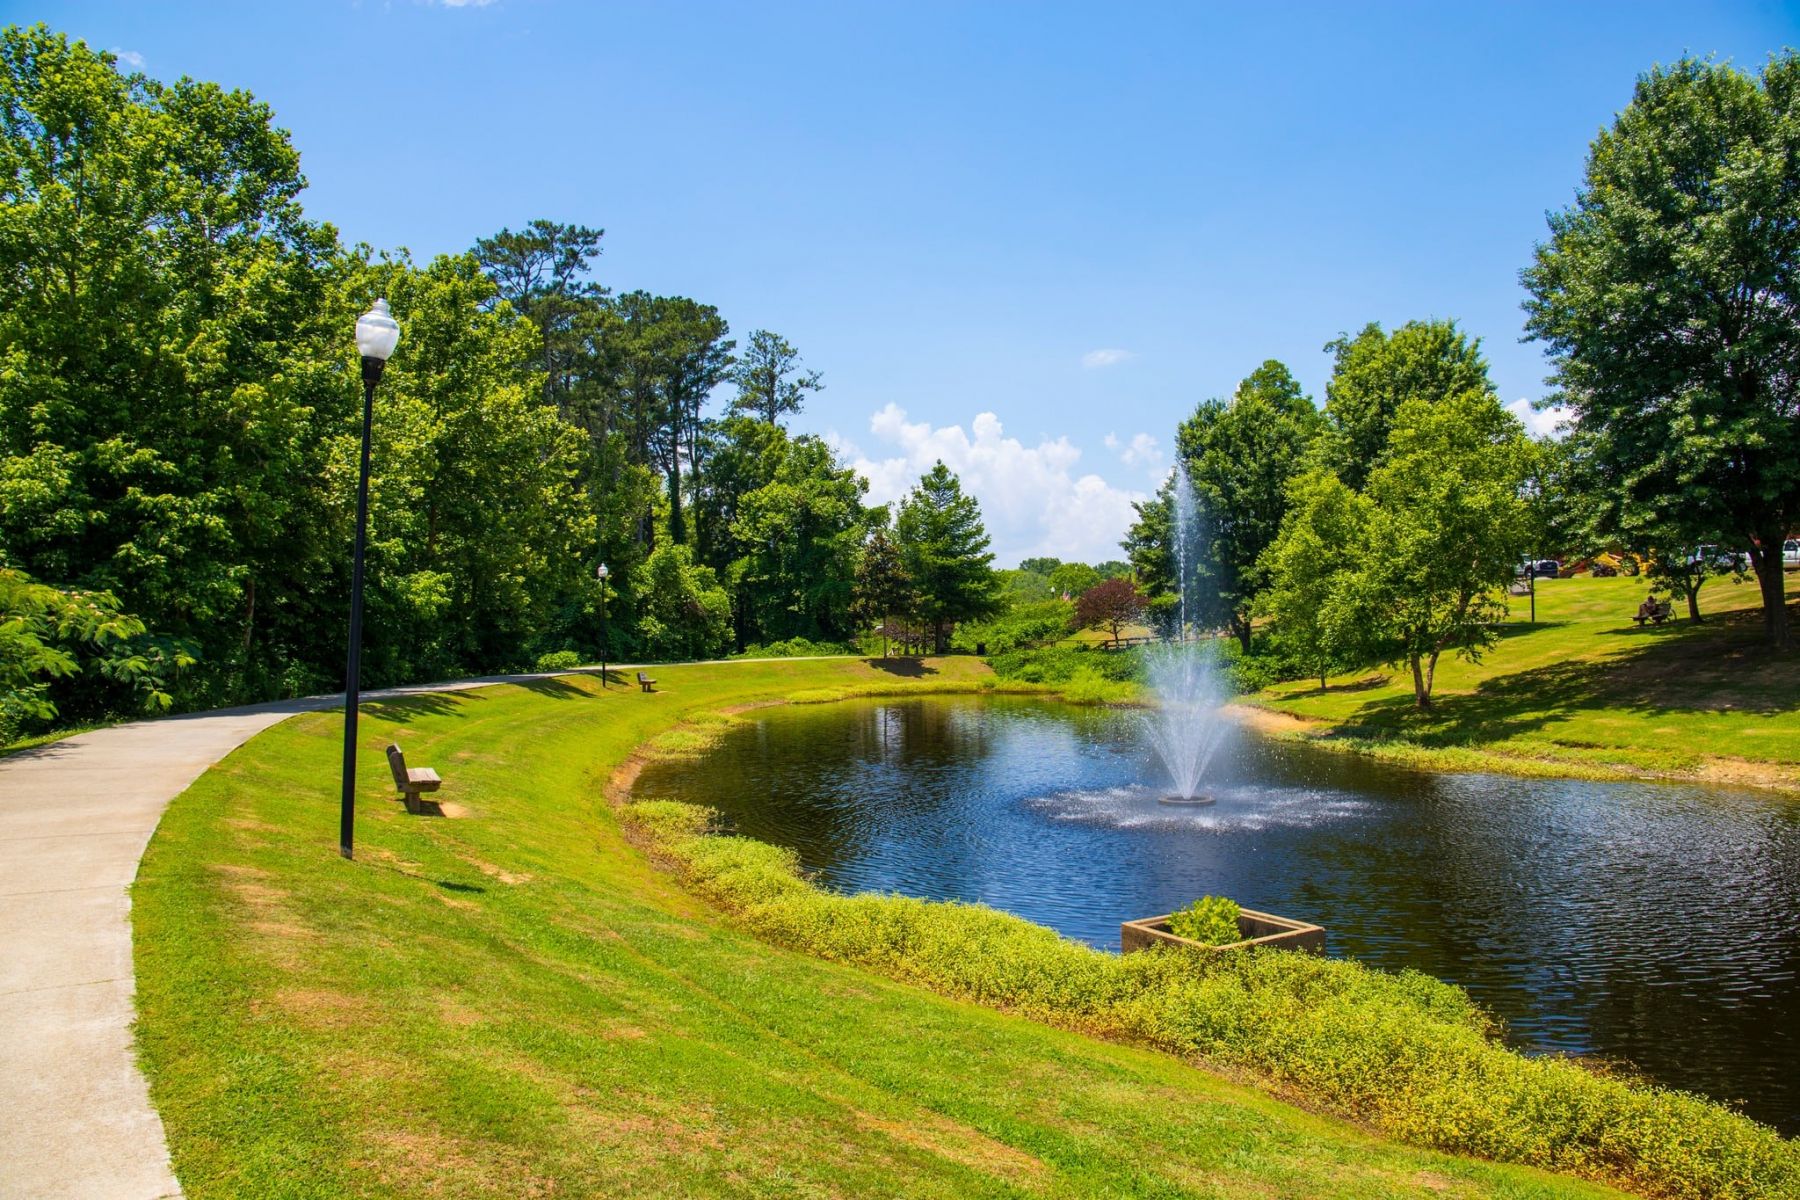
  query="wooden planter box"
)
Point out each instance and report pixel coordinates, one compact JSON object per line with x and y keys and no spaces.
{"x":1255,"y":928}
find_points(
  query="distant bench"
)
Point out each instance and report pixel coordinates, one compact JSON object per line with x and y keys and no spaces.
{"x":412,"y":781}
{"x":645,"y":682}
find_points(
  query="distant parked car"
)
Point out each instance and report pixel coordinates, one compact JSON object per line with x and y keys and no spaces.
{"x":1720,"y":560}
{"x":1790,"y":553}
{"x":1546,"y":568}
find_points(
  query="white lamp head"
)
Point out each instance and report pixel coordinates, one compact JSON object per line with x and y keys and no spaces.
{"x":602,"y":572}
{"x":377,"y":332}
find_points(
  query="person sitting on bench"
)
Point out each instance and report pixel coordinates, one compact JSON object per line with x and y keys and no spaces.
{"x":1653,"y":610}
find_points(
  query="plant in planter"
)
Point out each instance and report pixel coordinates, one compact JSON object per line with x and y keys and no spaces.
{"x":1210,"y":920}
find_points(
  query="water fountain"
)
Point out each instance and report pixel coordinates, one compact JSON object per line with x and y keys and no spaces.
{"x":1186,"y":728}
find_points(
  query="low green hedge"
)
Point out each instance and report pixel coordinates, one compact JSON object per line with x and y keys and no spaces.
{"x":796,"y":648}
{"x":1406,"y":1052}
{"x":1059,"y":664}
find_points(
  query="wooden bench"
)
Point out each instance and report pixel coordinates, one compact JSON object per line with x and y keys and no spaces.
{"x":645,"y":682}
{"x":412,"y":781}
{"x":1663,"y":613}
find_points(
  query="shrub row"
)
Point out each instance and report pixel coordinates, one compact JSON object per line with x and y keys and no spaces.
{"x":798,"y":647}
{"x":1406,"y":1052}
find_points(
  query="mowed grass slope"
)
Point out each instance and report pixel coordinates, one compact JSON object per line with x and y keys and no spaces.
{"x":1585,"y":688}
{"x":514,"y":1002}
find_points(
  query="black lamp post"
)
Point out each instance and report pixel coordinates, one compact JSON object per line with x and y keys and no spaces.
{"x":376,"y":335}
{"x":601,"y":573}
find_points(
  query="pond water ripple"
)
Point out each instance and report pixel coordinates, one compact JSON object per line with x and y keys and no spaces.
{"x":1651,"y":924}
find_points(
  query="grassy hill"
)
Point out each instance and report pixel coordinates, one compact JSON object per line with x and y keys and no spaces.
{"x":1585,"y":691}
{"x":513,"y":1001}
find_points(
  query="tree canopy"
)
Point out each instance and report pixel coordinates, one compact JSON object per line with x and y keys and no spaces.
{"x":945,"y":548}
{"x":1240,"y":454}
{"x":1666,"y":295}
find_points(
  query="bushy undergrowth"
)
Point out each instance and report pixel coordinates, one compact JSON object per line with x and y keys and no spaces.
{"x":1406,"y":1052}
{"x":558,"y":660}
{"x":1059,"y":664}
{"x":1242,"y":673}
{"x":796,"y":648}
{"x":1212,"y":920}
{"x":1019,"y":628}
{"x":1088,"y":686}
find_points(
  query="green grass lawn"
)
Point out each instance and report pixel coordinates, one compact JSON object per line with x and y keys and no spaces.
{"x":1585,"y":690}
{"x":512,"y":1001}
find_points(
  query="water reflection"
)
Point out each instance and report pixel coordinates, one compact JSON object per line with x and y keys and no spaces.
{"x":1652,"y":924}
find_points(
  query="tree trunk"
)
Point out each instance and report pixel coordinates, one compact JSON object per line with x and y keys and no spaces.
{"x":249,"y":614}
{"x":677,"y":532}
{"x":1421,"y":689}
{"x":1771,"y":579}
{"x":1693,"y":599}
{"x":1242,"y":629}
{"x":940,"y":636}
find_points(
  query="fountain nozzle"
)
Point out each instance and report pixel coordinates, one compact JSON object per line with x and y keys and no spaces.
{"x":1184,"y":799}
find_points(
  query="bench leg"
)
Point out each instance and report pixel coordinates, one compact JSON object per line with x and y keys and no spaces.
{"x":412,"y":801}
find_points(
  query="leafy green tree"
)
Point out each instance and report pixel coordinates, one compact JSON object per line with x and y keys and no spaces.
{"x":769,"y":380}
{"x":883,"y":588}
{"x":1673,"y":567}
{"x":802,"y":534}
{"x":480,"y":532}
{"x":1375,"y":372}
{"x":685,"y":613}
{"x":49,"y":633}
{"x":1072,"y":579}
{"x":742,"y":455}
{"x":1446,"y":524}
{"x":945,"y":548}
{"x":1023,"y":587}
{"x":1040,"y":566}
{"x":1150,"y":545}
{"x":696,"y":359}
{"x":1240,"y":456}
{"x":542,"y":271}
{"x":175,"y":358}
{"x":1666,"y":295}
{"x":1311,"y":569}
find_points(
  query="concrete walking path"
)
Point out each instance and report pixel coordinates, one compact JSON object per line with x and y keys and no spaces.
{"x":75,"y":816}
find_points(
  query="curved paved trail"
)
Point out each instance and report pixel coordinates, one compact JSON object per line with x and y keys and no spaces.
{"x":75,"y":816}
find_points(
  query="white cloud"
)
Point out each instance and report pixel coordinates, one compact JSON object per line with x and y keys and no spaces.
{"x":1105,"y":358}
{"x":1143,"y":450}
{"x":1538,"y":424}
{"x":1032,"y":499}
{"x":129,"y":58}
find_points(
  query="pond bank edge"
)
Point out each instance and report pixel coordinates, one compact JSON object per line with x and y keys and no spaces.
{"x":1611,"y":764}
{"x":1667,"y":1143}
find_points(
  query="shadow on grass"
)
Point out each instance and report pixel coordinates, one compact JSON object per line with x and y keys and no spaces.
{"x":906,"y":668}
{"x":559,"y":689}
{"x":1368,"y":683}
{"x":404,"y":709}
{"x":1720,"y":666}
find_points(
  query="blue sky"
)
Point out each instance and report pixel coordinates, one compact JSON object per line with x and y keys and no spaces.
{"x":1027,"y":238}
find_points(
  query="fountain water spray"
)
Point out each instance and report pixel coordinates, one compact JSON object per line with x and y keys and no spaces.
{"x":1186,"y":728}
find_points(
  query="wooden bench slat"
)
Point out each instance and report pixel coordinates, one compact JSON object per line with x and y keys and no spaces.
{"x":412,"y":781}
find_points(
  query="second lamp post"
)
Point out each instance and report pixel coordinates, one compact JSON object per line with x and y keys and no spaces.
{"x":601,"y":573}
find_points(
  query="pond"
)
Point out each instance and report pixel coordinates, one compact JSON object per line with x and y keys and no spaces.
{"x":1656,"y":925}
